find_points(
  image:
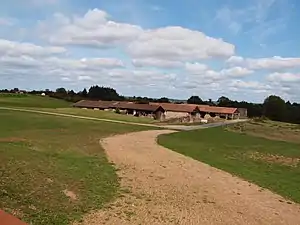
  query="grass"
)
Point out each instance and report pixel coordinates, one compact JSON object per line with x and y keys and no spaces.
{"x":269,"y":163}
{"x":42,"y":156}
{"x":101,"y":114}
{"x":25,"y":100}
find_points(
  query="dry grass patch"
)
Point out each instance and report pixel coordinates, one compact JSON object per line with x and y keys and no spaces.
{"x":279,"y":159}
{"x":269,"y":129}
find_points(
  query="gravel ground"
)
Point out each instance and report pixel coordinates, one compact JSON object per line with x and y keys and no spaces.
{"x":163,"y":187}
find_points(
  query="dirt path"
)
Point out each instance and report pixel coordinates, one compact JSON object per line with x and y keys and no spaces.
{"x":164,"y":187}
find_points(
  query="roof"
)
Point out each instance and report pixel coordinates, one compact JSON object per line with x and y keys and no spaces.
{"x":134,"y":106}
{"x":154,"y":106}
{"x":215,"y":109}
{"x":119,"y":105}
{"x":94,"y":104}
{"x":189,"y":108}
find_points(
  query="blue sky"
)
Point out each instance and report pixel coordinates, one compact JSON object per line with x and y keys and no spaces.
{"x":244,"y":50}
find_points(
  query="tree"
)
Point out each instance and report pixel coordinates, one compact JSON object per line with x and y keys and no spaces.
{"x":195,"y":100}
{"x":163,"y":100}
{"x":224,"y":102}
{"x":61,"y":91}
{"x":84,"y":93}
{"x":71,"y":93}
{"x":275,"y":108}
{"x":103,"y":93}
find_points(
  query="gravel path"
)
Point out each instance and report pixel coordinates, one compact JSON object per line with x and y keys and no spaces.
{"x":164,"y":187}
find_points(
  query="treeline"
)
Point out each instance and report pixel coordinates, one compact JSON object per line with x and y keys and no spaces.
{"x":274,"y":107}
{"x":93,"y":93}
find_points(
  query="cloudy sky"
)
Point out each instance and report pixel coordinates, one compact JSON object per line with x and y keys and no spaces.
{"x":245,"y":50}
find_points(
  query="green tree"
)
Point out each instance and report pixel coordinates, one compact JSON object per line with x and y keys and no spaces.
{"x":275,"y":108}
{"x":103,"y":93}
{"x":61,"y":91}
{"x":163,"y":100}
{"x":224,"y":102}
{"x":84,"y":93}
{"x":195,"y":100}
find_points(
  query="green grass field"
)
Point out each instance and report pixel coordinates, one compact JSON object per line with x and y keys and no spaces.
{"x":53,"y":169}
{"x":24,"y":100}
{"x":269,"y":163}
{"x":101,"y":114}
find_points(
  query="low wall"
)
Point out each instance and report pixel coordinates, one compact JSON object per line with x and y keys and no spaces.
{"x":171,"y":115}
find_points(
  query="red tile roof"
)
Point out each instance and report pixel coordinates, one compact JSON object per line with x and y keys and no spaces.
{"x":215,"y":109}
{"x":153,"y":106}
{"x":134,"y":106}
{"x":177,"y":107}
{"x":95,"y":104}
{"x":119,"y":105}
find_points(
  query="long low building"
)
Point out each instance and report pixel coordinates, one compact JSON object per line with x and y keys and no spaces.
{"x":165,"y":111}
{"x":155,"y":111}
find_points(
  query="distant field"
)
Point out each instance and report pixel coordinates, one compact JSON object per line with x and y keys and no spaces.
{"x":269,"y":163}
{"x":53,"y":169}
{"x":24,"y":100}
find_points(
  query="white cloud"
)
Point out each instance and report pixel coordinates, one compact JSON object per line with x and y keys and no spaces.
{"x":71,"y":65}
{"x":235,"y":60}
{"x":236,"y":72}
{"x":11,"y":48}
{"x":166,"y":43}
{"x":103,"y":62}
{"x":52,"y":69}
{"x":83,"y":78}
{"x":284,"y":77}
{"x":152,"y":62}
{"x":240,"y":84}
{"x":177,"y":43}
{"x":93,"y":29}
{"x":195,"y":68}
{"x":203,"y":71}
{"x":273,"y":63}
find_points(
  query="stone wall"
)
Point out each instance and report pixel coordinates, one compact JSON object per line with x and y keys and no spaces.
{"x":171,"y":115}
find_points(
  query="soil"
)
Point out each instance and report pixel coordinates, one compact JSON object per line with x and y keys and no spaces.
{"x":163,"y":187}
{"x":70,"y":194}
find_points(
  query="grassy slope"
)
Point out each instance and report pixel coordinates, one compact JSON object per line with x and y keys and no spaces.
{"x":14,"y":100}
{"x":232,"y":152}
{"x":40,"y":156}
{"x":101,"y":114}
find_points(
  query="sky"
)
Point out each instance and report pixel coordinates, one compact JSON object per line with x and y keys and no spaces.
{"x":245,"y":50}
